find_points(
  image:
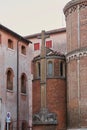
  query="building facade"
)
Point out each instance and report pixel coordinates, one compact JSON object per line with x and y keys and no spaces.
{"x":56,"y":41}
{"x":14,"y":80}
{"x":16,"y":71}
{"x":36,"y":78}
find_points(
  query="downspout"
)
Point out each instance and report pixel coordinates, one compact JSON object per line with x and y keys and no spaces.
{"x":18,"y":84}
{"x":78,"y":69}
{"x":0,"y":111}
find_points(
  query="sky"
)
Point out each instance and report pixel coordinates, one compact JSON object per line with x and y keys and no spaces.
{"x":27,"y":17}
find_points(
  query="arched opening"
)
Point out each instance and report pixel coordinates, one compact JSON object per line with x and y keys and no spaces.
{"x":10,"y":79}
{"x":23,"y":50}
{"x":62,"y":69}
{"x":24,"y":126}
{"x":10,"y":44}
{"x":23,"y":83}
{"x":39,"y":73}
{"x":0,"y":38}
{"x":50,"y":68}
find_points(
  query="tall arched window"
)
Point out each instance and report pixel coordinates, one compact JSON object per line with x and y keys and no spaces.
{"x":62,"y":69}
{"x":38,"y":65}
{"x":0,"y":39}
{"x":9,"y":79}
{"x":50,"y":68}
{"x":23,"y":83}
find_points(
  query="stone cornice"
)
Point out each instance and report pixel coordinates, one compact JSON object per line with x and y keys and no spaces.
{"x":50,"y":57}
{"x":76,"y":54}
{"x":72,"y":6}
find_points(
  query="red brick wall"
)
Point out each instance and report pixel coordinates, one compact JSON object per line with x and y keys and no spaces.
{"x":74,"y":20}
{"x":77,"y":67}
{"x":71,"y":25}
{"x":72,"y":94}
{"x":77,"y":114}
{"x":36,"y":96}
{"x":83,"y":26}
{"x":45,"y":127}
{"x":56,"y":100}
{"x":83,"y":90}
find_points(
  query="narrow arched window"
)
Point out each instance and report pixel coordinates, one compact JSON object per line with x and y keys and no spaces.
{"x":50,"y":68}
{"x":10,"y":44}
{"x":23,"y":50}
{"x":62,"y":69}
{"x":0,"y":39}
{"x":10,"y":79}
{"x":38,"y":65}
{"x":23,"y":83}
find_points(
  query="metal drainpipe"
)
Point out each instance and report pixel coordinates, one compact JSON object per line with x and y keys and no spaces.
{"x":78,"y":69}
{"x":0,"y":111}
{"x":18,"y":84}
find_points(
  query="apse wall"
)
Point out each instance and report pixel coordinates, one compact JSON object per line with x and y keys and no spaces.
{"x":76,"y":25}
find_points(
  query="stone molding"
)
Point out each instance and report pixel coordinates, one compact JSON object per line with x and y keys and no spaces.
{"x":49,"y":57}
{"x":72,"y":6}
{"x":76,"y":54}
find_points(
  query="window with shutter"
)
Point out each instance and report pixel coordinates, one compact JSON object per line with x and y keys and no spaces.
{"x":49,"y":44}
{"x":37,"y":46}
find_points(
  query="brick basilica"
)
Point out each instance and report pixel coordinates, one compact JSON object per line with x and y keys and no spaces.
{"x":43,"y":76}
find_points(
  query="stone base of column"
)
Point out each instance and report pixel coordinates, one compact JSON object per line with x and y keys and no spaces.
{"x":44,"y":117}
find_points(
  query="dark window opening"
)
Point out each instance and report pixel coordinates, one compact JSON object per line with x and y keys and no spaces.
{"x":0,"y":39}
{"x":24,"y":126}
{"x":62,"y":69}
{"x":23,"y":84}
{"x":10,"y":44}
{"x":9,"y":80}
{"x":39,"y":72}
{"x":23,"y":50}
